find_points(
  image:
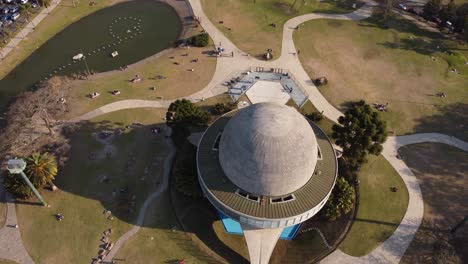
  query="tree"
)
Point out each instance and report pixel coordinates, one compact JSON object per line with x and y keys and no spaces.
{"x":185,"y":171}
{"x":360,"y":132}
{"x":221,"y":108}
{"x":34,"y":118}
{"x":45,"y":3}
{"x":24,"y":9}
{"x":15,"y":185}
{"x":431,"y":8}
{"x":315,"y":117}
{"x":41,"y":168}
{"x":181,"y":115}
{"x":184,"y":112}
{"x":200,"y":40}
{"x":388,"y":9}
{"x":340,"y":201}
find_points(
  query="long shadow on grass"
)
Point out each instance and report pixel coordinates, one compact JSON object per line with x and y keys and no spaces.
{"x":441,"y":172}
{"x":194,"y":213}
{"x":424,"y":42}
{"x":451,"y":120}
{"x":118,"y":165}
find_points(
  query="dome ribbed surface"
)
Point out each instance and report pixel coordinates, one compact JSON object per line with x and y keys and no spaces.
{"x":268,"y":149}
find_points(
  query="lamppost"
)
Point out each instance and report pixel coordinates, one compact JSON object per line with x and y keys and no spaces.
{"x":16,"y":166}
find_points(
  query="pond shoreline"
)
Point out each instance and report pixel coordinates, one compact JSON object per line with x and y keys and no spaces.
{"x":181,"y":12}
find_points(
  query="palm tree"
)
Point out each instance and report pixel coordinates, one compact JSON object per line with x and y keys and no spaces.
{"x":41,"y":169}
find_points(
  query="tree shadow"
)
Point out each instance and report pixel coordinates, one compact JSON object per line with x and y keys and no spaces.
{"x":120,"y":166}
{"x":441,"y":172}
{"x":424,"y":42}
{"x":197,"y":216}
{"x":451,"y":120}
{"x":399,"y":25}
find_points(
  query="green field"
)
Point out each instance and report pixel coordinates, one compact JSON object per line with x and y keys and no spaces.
{"x":379,"y":211}
{"x":179,"y":80}
{"x":248,"y":23}
{"x":403,"y":66}
{"x":116,"y":175}
{"x":161,"y":239}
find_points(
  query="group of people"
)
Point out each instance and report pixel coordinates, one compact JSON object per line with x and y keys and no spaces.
{"x":381,"y":107}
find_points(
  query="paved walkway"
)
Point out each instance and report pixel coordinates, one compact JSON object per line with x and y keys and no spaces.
{"x":11,"y":245}
{"x":393,"y":249}
{"x":27,"y":29}
{"x":226,"y":66}
{"x":141,"y":215}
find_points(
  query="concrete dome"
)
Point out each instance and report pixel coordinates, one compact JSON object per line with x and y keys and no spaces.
{"x":268,"y":149}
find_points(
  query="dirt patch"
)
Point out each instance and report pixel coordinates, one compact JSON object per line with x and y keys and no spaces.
{"x":441,"y":171}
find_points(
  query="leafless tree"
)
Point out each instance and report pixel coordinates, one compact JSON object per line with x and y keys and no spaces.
{"x":34,"y":119}
{"x":388,"y":9}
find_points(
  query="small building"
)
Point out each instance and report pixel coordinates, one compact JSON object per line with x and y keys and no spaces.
{"x":267,"y":168}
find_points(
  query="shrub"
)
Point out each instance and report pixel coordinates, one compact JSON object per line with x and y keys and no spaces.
{"x":221,"y":108}
{"x":15,"y":185}
{"x":181,"y":116}
{"x":185,"y":172}
{"x":200,"y":40}
{"x":340,"y":201}
{"x":315,"y":117}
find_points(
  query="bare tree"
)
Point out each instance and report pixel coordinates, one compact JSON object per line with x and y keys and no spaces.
{"x":35,"y":117}
{"x":387,"y":9}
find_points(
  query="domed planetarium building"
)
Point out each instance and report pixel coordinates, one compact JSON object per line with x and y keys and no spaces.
{"x":268,"y":168}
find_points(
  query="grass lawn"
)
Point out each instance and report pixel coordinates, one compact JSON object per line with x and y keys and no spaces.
{"x":308,"y":108}
{"x":363,"y":60}
{"x":4,"y":261}
{"x":116,"y":174}
{"x":180,"y":81}
{"x":3,"y":212}
{"x":441,"y":171}
{"x":380,"y":210}
{"x":160,"y":240}
{"x":250,"y":21}
{"x":62,"y":16}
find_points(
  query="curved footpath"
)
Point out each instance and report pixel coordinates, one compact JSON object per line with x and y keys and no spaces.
{"x":393,"y":248}
{"x":227,"y":66}
{"x":11,"y":245}
{"x":141,"y":215}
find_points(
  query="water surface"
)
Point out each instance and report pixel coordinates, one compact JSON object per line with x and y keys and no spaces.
{"x":135,"y":29}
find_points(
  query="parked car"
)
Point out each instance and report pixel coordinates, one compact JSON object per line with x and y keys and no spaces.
{"x":1,"y":24}
{"x":435,"y":19}
{"x":15,"y":16}
{"x":4,"y":10}
{"x":4,"y":18}
{"x":14,"y":9}
{"x":402,"y":6}
{"x":23,"y":2}
{"x":8,"y":1}
{"x":34,"y":5}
